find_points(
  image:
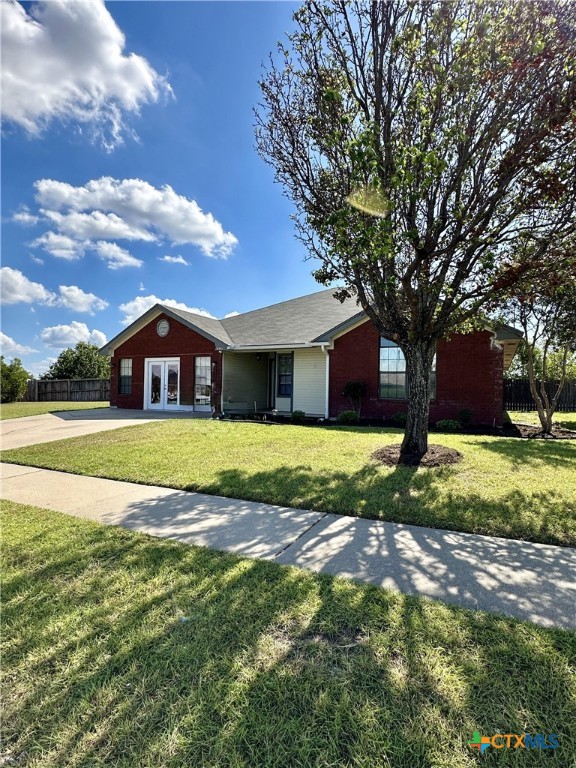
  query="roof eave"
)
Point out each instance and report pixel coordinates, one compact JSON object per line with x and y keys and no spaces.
{"x":324,"y":338}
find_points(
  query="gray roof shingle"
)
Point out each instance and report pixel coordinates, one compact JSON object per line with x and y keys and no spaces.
{"x":209,"y":325}
{"x":297,"y":321}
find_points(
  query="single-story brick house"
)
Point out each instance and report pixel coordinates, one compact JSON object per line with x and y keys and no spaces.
{"x":296,"y":355}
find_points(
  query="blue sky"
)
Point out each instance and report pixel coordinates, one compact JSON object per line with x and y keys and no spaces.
{"x":129,"y":172}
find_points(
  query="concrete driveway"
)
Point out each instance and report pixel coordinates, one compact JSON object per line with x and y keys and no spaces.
{"x":29,"y":430}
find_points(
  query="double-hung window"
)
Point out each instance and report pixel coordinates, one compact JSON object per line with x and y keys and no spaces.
{"x":393,"y":383}
{"x":284,"y":375}
{"x":125,"y":376}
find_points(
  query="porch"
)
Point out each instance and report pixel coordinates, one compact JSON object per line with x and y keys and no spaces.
{"x":274,"y":382}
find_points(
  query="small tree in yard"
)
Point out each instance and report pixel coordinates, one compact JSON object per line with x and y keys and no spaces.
{"x":450,"y":128}
{"x":81,"y":362}
{"x":546,"y":311}
{"x":14,"y":380}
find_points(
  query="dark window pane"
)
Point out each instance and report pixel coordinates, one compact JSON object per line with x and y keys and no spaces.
{"x":284,"y":375}
{"x":125,"y":377}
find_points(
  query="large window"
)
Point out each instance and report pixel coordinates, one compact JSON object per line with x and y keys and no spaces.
{"x":203,"y":381}
{"x":125,"y":377}
{"x":284,"y":375}
{"x":393,"y":381}
{"x":392,"y":371}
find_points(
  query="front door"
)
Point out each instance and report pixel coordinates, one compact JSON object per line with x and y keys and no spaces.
{"x":162,"y":384}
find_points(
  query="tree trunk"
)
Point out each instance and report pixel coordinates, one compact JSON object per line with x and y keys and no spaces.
{"x":418,"y":364}
{"x":543,"y":406}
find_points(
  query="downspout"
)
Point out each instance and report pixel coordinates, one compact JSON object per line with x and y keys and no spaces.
{"x":327,"y":390}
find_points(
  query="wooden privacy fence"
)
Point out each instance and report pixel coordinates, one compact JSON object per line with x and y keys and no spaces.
{"x":80,"y":390}
{"x":517,"y":396}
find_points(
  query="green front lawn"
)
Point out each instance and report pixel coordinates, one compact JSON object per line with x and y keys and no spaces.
{"x":505,"y":486}
{"x":566,"y":419}
{"x":17,"y":410}
{"x":123,"y":650}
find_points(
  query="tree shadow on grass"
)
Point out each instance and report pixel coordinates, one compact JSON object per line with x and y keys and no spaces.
{"x":408,"y":495}
{"x":273,"y":667}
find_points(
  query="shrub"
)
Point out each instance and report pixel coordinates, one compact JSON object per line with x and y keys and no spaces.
{"x":448,"y":425}
{"x":347,"y":417}
{"x":399,"y":418}
{"x":465,"y":417}
{"x":298,"y":417}
{"x":355,"y":391}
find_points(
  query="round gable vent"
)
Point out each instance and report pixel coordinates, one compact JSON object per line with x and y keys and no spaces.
{"x":162,"y":327}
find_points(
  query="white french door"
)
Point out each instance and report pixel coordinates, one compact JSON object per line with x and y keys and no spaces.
{"x":162,"y":384}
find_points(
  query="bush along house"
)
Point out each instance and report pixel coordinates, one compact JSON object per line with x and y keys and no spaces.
{"x":297,"y":355}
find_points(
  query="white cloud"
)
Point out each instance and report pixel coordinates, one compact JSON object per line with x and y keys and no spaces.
{"x":36,"y":259}
{"x":11,"y":348}
{"x":62,"y":336}
{"x":231,"y":314}
{"x":115,"y":256}
{"x":174,"y":260}
{"x":16,"y":288}
{"x":159,"y":212}
{"x":23,"y":216}
{"x":76,"y":299}
{"x":133,"y":309}
{"x":41,"y":367}
{"x":141,"y":287}
{"x":65,"y":60}
{"x":61,"y":246}
{"x":96,"y":225}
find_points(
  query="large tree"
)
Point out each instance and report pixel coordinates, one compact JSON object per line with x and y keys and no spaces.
{"x":81,"y":362}
{"x":450,"y":127}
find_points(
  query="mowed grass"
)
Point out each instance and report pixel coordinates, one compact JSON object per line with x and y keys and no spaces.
{"x":565,"y":419}
{"x":123,"y":650}
{"x":18,"y":410}
{"x":504,"y":486}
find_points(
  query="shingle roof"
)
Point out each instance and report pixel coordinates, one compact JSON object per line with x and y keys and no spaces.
{"x":507,"y":332}
{"x":314,"y":318}
{"x":297,"y":321}
{"x":209,"y":325}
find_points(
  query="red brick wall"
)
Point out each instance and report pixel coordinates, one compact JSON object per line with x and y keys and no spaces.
{"x":180,"y":342}
{"x":468,"y":375}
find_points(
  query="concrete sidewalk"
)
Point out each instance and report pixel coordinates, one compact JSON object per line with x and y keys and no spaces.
{"x":529,"y":581}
